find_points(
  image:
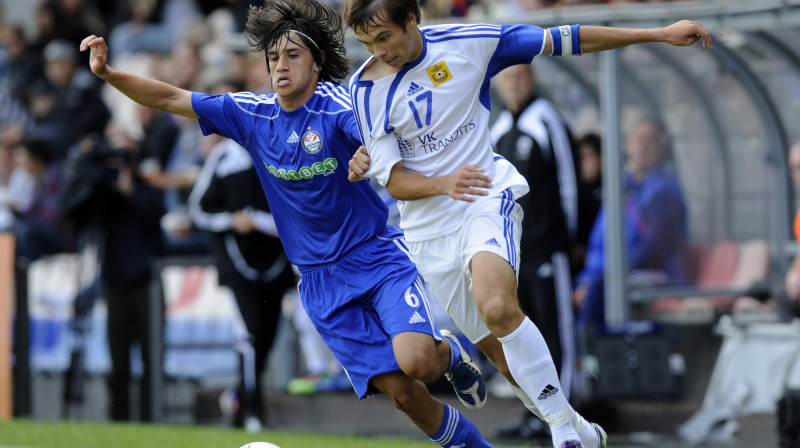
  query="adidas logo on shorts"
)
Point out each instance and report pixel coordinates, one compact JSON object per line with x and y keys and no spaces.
{"x":294,"y":138}
{"x":492,"y":242}
{"x":548,"y":391}
{"x":416,"y":318}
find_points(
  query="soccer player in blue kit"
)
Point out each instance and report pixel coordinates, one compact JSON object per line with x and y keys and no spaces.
{"x":422,"y":103}
{"x":357,"y":283}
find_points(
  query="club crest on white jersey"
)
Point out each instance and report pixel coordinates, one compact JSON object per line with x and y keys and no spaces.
{"x":439,"y":73}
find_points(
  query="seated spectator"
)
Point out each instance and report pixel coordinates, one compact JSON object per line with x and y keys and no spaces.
{"x":75,"y":18}
{"x":143,"y":31}
{"x":655,"y":219}
{"x":6,"y":168}
{"x":66,"y":105}
{"x":34,"y":186}
{"x":177,"y":180}
{"x":23,"y":65}
{"x":590,"y":195}
{"x":792,"y":281}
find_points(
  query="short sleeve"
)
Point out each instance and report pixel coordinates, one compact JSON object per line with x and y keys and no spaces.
{"x":219,"y":114}
{"x":518,"y":44}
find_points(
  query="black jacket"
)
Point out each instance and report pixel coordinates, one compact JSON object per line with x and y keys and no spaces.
{"x":540,"y":145}
{"x":229,"y":183}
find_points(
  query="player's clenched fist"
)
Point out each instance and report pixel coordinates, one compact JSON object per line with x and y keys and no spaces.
{"x":358,"y":165}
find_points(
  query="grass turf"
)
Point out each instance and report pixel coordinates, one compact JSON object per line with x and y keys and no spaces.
{"x":21,"y":433}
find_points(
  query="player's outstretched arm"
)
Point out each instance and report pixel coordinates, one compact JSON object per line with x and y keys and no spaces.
{"x":147,"y":92}
{"x":683,"y":33}
{"x":463,"y":185}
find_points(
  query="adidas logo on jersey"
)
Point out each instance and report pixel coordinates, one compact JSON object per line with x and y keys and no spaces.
{"x":416,"y":318}
{"x":415,"y":88}
{"x":294,"y":138}
{"x":492,"y":242}
{"x":548,"y":391}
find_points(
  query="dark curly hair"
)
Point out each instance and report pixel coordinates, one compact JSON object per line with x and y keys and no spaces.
{"x":266,"y":25}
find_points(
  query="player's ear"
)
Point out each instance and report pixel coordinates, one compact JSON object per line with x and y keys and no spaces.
{"x":411,"y":21}
{"x":318,"y":66}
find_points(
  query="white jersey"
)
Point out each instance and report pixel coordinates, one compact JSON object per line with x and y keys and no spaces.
{"x":433,"y":115}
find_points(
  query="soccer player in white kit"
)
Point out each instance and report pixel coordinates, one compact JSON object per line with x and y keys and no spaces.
{"x":422,"y":103}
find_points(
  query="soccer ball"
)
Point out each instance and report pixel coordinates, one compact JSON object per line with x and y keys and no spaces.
{"x":260,"y":445}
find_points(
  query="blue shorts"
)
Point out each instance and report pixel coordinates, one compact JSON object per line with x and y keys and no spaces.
{"x":359,"y":303}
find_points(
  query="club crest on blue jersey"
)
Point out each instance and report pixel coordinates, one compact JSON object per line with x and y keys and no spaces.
{"x":312,"y":142}
{"x":406,"y":146}
{"x":439,"y":73}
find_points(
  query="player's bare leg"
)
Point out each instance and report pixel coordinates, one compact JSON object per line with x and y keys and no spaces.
{"x":422,"y":357}
{"x":525,"y":350}
{"x":440,"y":422}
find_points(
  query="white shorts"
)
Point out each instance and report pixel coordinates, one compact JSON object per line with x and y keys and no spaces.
{"x":493,"y":225}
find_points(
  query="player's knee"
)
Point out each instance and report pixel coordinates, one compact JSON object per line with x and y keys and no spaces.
{"x":496,"y":310}
{"x":420,"y":366}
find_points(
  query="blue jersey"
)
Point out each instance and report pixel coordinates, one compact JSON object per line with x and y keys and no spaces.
{"x":302,"y":161}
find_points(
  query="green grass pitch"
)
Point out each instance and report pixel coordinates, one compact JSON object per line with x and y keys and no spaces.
{"x":38,"y":434}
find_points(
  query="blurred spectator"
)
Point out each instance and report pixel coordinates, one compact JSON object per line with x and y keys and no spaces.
{"x":177,"y":179}
{"x":143,"y":30}
{"x":655,"y":219}
{"x":185,"y":63}
{"x":46,"y":26}
{"x":442,"y":9}
{"x":228,"y":201}
{"x":76,"y":19}
{"x":33,"y":190}
{"x":160,"y":135}
{"x":6,"y":165}
{"x":23,"y":65}
{"x":6,"y":168}
{"x":533,"y":135}
{"x":14,"y":119}
{"x":792,"y":282}
{"x":591,"y":185}
{"x":112,"y":207}
{"x":66,"y":105}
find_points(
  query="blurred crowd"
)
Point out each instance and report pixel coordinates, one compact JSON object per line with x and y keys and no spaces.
{"x":68,"y":147}
{"x":54,"y":113}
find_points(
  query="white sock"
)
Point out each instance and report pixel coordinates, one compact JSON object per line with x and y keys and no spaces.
{"x":585,"y":430}
{"x":532,"y":367}
{"x":563,"y":433}
{"x":526,"y":400}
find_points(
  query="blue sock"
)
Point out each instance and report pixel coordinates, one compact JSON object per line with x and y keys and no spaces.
{"x":456,"y":430}
{"x":455,"y":354}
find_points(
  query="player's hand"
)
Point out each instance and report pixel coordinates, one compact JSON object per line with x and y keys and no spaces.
{"x":243,"y":222}
{"x":358,"y":165}
{"x":687,"y":32}
{"x":579,"y":295}
{"x":98,"y":54}
{"x":467,"y":182}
